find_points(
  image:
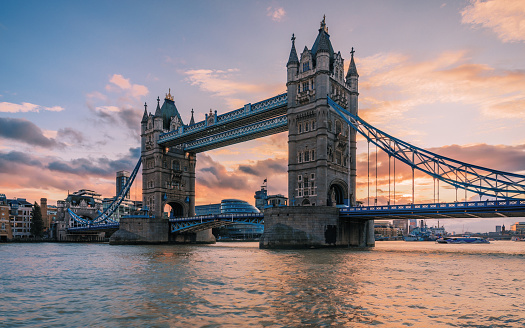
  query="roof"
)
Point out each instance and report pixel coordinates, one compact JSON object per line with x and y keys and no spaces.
{"x":322,"y":43}
{"x":352,"y":70}
{"x":167,"y":111}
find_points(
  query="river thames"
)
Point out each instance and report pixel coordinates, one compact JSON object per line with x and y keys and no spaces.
{"x":395,"y":284}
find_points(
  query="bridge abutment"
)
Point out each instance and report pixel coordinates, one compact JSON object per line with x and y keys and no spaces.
{"x":313,"y":227}
{"x":141,"y":230}
{"x":199,"y":237}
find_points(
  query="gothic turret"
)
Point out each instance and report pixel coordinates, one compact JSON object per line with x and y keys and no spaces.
{"x":293,"y":62}
{"x":322,"y":49}
{"x":351,"y":76}
{"x":192,"y":120}
{"x":170,"y":115}
{"x":145,"y":116}
{"x":157,"y":111}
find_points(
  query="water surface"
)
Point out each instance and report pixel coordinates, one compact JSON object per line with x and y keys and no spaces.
{"x":396,"y":284}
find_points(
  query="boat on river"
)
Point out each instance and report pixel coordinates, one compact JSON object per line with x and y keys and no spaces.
{"x":463,"y":240}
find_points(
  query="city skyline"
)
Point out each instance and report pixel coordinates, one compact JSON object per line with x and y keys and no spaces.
{"x":445,"y":76}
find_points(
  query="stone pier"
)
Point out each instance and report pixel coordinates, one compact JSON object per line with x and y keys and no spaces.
{"x":141,"y":230}
{"x":313,"y":227}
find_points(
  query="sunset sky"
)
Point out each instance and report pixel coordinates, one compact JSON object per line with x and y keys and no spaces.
{"x":448,"y":76}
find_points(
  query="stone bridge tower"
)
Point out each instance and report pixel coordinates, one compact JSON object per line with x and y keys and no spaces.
{"x":321,"y":154}
{"x":168,"y":174}
{"x":321,"y":146}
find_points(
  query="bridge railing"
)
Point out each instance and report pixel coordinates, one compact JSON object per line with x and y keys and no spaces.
{"x":247,"y":110}
{"x":437,"y":206}
{"x":217,"y":216}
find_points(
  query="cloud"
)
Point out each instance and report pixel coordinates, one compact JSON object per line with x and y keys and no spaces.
{"x":395,"y":84}
{"x":214,"y":182}
{"x":70,"y":134}
{"x":265,"y":167}
{"x":36,"y":176}
{"x":226,"y":84}
{"x":277,"y":14}
{"x":135,"y":90}
{"x":102,"y":167}
{"x":6,"y":107}
{"x":505,"y":18}
{"x":27,"y":132}
{"x":124,"y":109}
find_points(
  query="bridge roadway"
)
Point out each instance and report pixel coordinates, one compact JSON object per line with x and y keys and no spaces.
{"x":250,"y":122}
{"x":479,"y":209}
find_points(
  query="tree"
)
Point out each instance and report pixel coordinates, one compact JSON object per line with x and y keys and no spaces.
{"x":37,"y":225}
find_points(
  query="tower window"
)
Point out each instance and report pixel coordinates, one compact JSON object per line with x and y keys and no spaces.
{"x":300,"y":128}
{"x":306,"y":126}
{"x":306,"y":66}
{"x":306,"y":86}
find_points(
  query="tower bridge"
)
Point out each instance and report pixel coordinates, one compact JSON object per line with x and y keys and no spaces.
{"x":320,"y":112}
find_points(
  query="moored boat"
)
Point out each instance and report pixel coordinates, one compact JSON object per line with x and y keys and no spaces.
{"x":463,"y":240}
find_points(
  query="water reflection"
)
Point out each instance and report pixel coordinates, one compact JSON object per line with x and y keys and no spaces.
{"x":238,"y":285}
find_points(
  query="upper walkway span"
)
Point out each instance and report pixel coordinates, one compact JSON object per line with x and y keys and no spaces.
{"x":253,"y":121}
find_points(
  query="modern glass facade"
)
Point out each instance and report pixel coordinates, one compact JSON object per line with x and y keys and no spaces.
{"x":234,"y":231}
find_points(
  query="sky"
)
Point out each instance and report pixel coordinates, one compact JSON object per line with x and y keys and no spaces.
{"x":447,"y":76}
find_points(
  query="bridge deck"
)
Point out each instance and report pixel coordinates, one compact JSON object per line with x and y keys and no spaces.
{"x":481,"y":209}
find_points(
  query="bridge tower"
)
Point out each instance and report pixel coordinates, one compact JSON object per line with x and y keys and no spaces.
{"x":321,"y":154}
{"x":321,"y":148}
{"x":168,"y":173}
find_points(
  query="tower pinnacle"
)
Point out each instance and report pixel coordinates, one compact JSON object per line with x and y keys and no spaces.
{"x":293,"y":54}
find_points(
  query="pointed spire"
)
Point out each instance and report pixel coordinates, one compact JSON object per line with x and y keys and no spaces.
{"x":322,"y":42}
{"x":192,"y":120}
{"x":352,"y":70}
{"x":293,"y":59}
{"x":157,"y":111}
{"x":145,"y":116}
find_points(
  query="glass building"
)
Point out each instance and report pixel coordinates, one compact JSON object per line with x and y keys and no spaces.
{"x":234,"y":231}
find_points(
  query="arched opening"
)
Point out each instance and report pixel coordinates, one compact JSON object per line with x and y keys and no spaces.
{"x":305,"y":202}
{"x":173,"y":210}
{"x":336,"y":195}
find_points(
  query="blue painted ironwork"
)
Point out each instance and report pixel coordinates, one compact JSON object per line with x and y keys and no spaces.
{"x":105,"y":216}
{"x":199,"y":223}
{"x":481,"y":180}
{"x":489,"y":208}
{"x":241,"y":134}
{"x":108,"y":212}
{"x":98,"y":227}
{"x":249,"y":110}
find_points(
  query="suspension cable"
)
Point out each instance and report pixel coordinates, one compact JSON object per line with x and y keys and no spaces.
{"x":375,"y":201}
{"x":368,"y":163}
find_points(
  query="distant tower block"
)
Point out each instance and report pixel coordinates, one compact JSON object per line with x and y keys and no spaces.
{"x":122,"y":180}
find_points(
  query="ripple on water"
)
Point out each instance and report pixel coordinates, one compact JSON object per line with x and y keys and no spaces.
{"x":396,"y":284}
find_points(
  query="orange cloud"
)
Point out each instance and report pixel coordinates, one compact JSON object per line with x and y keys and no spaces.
{"x":134,"y":90}
{"x":277,"y":14}
{"x":226,"y":84}
{"x":505,"y":18}
{"x":396,"y":85}
{"x":6,"y":107}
